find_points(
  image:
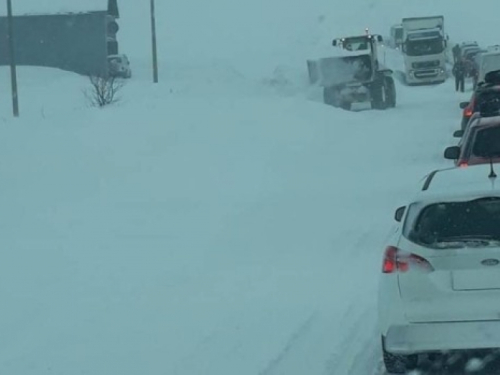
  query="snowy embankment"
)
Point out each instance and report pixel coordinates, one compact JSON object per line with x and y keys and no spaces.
{"x":217,"y":223}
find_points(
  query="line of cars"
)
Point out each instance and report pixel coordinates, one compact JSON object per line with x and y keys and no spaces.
{"x":439,"y":289}
{"x":480,"y":125}
{"x":479,"y":61}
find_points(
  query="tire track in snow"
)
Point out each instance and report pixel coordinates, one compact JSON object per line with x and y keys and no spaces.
{"x":354,"y":347}
{"x":368,"y":361}
{"x":296,"y":336}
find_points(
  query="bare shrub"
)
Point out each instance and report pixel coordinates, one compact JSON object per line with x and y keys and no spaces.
{"x":103,"y":90}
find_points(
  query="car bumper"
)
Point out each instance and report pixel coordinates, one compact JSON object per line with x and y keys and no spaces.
{"x":435,"y":337}
{"x":119,"y":73}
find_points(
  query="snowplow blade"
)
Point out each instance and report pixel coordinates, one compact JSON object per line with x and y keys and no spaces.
{"x":312,"y":70}
{"x":332,"y":71}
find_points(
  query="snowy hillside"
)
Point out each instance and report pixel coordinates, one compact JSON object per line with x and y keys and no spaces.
{"x":223,"y":221}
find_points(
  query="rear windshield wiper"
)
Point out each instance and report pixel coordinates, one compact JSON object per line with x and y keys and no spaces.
{"x":471,"y":239}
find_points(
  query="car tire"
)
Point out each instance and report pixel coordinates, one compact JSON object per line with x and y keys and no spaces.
{"x":397,"y":363}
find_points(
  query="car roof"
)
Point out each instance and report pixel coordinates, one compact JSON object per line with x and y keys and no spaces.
{"x":481,"y":121}
{"x":466,"y":49}
{"x":481,"y":88}
{"x":473,"y":51}
{"x":487,"y":87}
{"x":492,"y":52}
{"x":460,"y":183}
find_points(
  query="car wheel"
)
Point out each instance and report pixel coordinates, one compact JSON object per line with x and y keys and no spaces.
{"x":398,"y":363}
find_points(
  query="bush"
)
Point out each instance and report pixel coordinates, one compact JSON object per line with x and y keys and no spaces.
{"x":103,"y":90}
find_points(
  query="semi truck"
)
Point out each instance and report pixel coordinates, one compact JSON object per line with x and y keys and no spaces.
{"x":396,"y":36}
{"x":424,"y":49}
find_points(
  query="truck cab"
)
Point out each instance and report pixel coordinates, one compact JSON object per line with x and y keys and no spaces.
{"x":424,"y":50}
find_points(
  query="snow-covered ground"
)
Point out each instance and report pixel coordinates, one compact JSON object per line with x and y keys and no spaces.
{"x":221,"y":222}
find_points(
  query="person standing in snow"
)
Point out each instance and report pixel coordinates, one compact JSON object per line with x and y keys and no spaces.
{"x":459,"y":73}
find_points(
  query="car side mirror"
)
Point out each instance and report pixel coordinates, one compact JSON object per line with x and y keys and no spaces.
{"x":379,"y":38}
{"x":398,"y":215}
{"x":458,"y":133}
{"x":334,"y":42}
{"x":463,"y":105}
{"x":452,"y":153}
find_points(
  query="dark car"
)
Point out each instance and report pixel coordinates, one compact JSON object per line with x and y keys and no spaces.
{"x":477,"y":97}
{"x":480,"y":143}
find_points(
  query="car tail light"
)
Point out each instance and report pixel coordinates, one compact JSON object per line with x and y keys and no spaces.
{"x":397,"y":261}
{"x":390,"y":260}
{"x":468,"y":112}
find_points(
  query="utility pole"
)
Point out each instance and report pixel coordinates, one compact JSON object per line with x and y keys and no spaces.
{"x":153,"y":39}
{"x":13,"y":74}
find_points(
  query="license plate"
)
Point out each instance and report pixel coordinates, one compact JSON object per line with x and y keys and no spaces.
{"x":476,"y":279}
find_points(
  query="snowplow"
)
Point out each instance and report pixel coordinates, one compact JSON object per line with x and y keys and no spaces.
{"x":353,"y":77}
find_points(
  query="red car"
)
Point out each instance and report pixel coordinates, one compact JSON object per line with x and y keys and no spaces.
{"x":471,"y":107}
{"x":480,"y":143}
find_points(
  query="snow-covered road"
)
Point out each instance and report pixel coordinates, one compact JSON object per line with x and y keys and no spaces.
{"x":187,"y":235}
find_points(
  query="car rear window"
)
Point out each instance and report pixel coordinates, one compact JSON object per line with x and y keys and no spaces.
{"x":487,"y":142}
{"x":487,"y":100}
{"x":441,"y":223}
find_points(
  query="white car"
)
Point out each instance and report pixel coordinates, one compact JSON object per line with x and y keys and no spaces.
{"x":119,"y":66}
{"x":440,"y":285}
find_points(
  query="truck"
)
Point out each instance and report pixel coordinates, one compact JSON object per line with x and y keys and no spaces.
{"x":353,"y":77}
{"x":424,"y":49}
{"x":396,"y":36}
{"x":488,"y":61}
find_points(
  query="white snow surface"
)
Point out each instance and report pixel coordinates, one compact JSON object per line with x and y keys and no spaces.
{"x":23,"y":7}
{"x":223,"y":221}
